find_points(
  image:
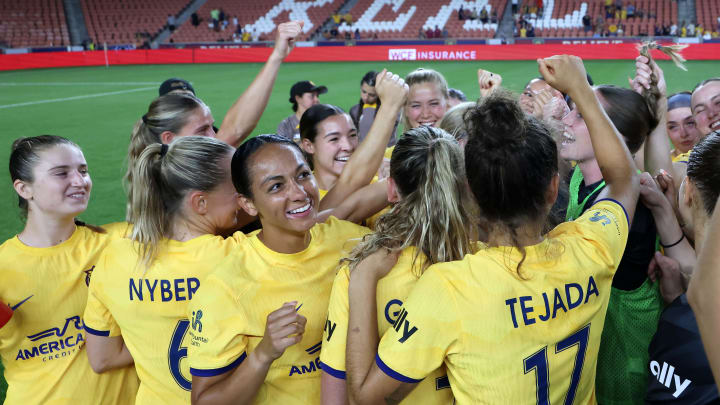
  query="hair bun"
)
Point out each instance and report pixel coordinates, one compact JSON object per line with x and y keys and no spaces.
{"x":498,"y":121}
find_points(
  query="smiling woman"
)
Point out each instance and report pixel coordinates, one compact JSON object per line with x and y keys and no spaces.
{"x":248,"y":348}
{"x":46,"y":270}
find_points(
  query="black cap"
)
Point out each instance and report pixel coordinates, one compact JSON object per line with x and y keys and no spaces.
{"x":175,"y":84}
{"x":306,"y":86}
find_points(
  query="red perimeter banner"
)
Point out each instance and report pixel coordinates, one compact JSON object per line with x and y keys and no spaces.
{"x":342,"y":54}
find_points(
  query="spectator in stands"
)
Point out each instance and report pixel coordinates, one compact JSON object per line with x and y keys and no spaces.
{"x":514,"y":4}
{"x":530,"y":31}
{"x":171,"y":22}
{"x":623,"y":14}
{"x":523,"y":31}
{"x":473,"y":15}
{"x":357,"y":34}
{"x":630,"y":11}
{"x":657,"y":31}
{"x":326,"y":34}
{"x":334,"y":32}
{"x":612,"y":29}
{"x":429,"y":33}
{"x":691,"y":30}
{"x":235,"y":21}
{"x":494,"y":17}
{"x":421,"y":34}
{"x":215,"y":17}
{"x":348,"y":36}
{"x":455,"y":97}
{"x":484,"y":15}
{"x":445,"y":33}
{"x":222,"y":15}
{"x":246,"y":37}
{"x":673,"y":29}
{"x":303,"y":95}
{"x":587,"y":22}
{"x":348,"y":18}
{"x":194,"y":19}
{"x":461,"y":13}
{"x":437,"y":33}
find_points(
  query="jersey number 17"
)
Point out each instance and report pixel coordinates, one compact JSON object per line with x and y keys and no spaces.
{"x":539,"y":363}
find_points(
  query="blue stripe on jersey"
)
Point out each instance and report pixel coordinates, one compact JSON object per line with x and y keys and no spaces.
{"x":627,"y":217}
{"x":335,"y":373}
{"x":392,"y":373}
{"x":95,"y":331}
{"x":217,"y":371}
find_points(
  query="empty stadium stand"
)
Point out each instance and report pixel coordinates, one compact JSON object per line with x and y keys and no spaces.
{"x":29,"y":23}
{"x":708,"y":12}
{"x":124,"y":21}
{"x":563,"y":18}
{"x":392,"y":19}
{"x":260,"y":17}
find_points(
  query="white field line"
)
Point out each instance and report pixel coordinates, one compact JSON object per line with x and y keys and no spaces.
{"x":55,"y":100}
{"x":77,"y":83}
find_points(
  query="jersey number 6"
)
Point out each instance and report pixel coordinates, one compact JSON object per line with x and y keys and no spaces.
{"x":177,"y":353}
{"x":539,"y":363}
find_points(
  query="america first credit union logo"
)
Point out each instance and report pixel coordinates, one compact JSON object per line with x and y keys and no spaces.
{"x":55,"y":343}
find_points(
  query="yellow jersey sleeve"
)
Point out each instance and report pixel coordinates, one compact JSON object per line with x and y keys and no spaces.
{"x":424,"y":331}
{"x":217,"y":344}
{"x":605,"y":227}
{"x":97,"y":318}
{"x":332,"y":355}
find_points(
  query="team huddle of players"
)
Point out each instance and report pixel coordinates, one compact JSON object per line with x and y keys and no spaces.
{"x":499,"y":251}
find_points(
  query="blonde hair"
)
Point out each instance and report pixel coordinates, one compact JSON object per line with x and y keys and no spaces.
{"x":652,"y":95}
{"x":166,"y":113}
{"x":163,"y":175}
{"x":434,"y":212}
{"x":420,"y":76}
{"x":453,"y":121}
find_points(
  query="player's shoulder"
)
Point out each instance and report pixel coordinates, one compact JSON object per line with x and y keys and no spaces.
{"x":338,"y":230}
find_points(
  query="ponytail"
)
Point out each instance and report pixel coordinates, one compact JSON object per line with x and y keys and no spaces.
{"x":652,"y":95}
{"x":434,"y":212}
{"x":168,"y":113}
{"x":162,"y":176}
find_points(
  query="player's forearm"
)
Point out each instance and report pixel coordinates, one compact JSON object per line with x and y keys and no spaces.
{"x":362,"y":204}
{"x":366,"y":159}
{"x":239,"y":386}
{"x":657,"y":147}
{"x":362,"y":336}
{"x":245,"y":113}
{"x":107,"y":353}
{"x":702,"y":293}
{"x":670,"y":232}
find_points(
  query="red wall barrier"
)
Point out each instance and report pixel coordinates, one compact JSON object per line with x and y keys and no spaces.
{"x":341,"y":54}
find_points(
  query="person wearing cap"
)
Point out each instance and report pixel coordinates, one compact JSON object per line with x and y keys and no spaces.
{"x":681,"y":126}
{"x":176,"y":85}
{"x":303,"y":95}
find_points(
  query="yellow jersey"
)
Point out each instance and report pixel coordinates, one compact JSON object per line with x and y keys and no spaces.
{"x":118,"y":229}
{"x":43,"y":345}
{"x":514,"y":339}
{"x":228,"y":315}
{"x":683,"y":157}
{"x":148,"y":308}
{"x":392,"y":290}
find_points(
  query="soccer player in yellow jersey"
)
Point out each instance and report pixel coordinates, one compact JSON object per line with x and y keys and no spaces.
{"x":46,"y":270}
{"x":520,"y":320}
{"x":329,"y":137}
{"x":256,"y":323}
{"x":142,"y":285}
{"x":427,"y":170}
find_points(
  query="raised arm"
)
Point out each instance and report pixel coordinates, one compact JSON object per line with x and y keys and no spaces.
{"x":366,"y":159}
{"x":361,"y":204}
{"x":245,"y":113}
{"x":703,"y":296}
{"x":107,"y":353}
{"x":657,"y":146}
{"x":567,"y":74}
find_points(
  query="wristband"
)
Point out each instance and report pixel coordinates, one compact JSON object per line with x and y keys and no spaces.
{"x":673,"y":244}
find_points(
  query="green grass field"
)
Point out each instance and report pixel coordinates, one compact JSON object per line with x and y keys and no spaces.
{"x":102,"y":125}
